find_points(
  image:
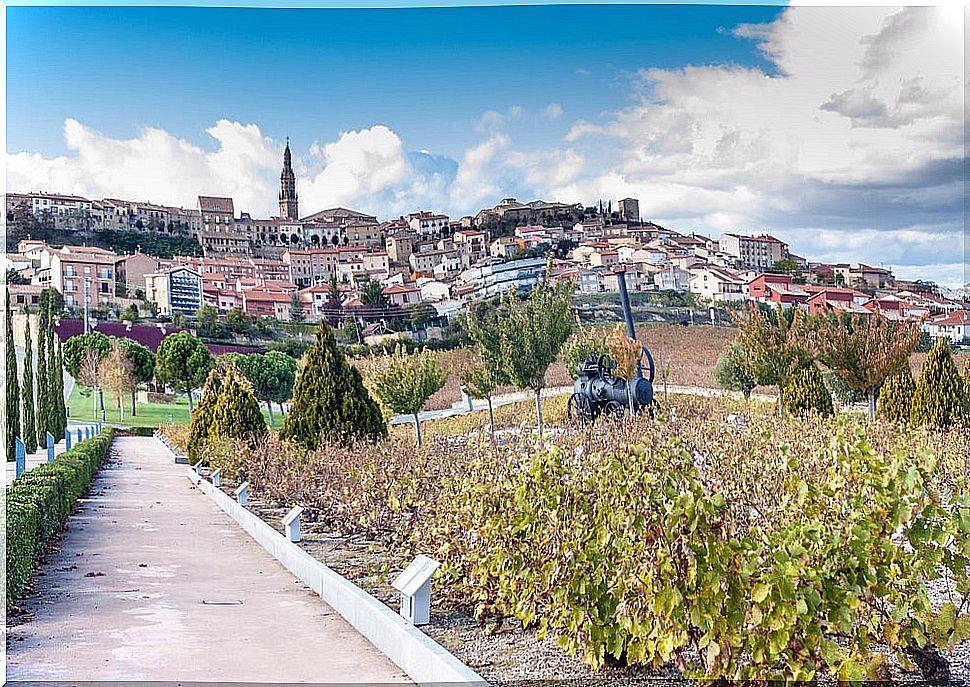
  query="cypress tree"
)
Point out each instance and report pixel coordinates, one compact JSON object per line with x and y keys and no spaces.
{"x":236,"y":412}
{"x":806,"y":392}
{"x":29,"y":426}
{"x":940,"y":399}
{"x":12,"y":385}
{"x":200,"y":427}
{"x":896,"y":396}
{"x":42,"y":385}
{"x":60,"y":414}
{"x":51,"y":419}
{"x":329,"y":399}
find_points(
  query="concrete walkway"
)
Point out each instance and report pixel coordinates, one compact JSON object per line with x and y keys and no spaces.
{"x":147,"y":584}
{"x":461,"y":407}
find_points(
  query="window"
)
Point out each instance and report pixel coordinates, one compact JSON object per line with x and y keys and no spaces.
{"x":87,"y":269}
{"x":69,"y":299}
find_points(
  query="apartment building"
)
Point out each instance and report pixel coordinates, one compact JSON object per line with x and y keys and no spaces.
{"x":177,"y":289}
{"x":80,"y":272}
{"x":754,"y":252}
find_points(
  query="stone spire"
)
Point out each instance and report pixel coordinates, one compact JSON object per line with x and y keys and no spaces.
{"x":289,"y":207}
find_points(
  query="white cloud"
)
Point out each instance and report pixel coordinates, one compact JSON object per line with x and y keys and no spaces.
{"x":553,"y":111}
{"x":155,"y":166}
{"x":492,"y":120}
{"x":857,"y":133}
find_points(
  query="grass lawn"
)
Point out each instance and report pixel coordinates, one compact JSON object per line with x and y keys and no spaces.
{"x":147,"y":414}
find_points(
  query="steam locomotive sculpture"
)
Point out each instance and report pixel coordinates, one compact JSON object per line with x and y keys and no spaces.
{"x":597,"y":392}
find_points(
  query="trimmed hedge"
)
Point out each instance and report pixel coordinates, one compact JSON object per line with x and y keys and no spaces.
{"x":40,"y":500}
{"x":140,"y":431}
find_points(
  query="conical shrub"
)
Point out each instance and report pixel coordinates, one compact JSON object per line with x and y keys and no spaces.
{"x":806,"y":393}
{"x":896,"y":396}
{"x":201,"y":425}
{"x":329,"y":399}
{"x":940,"y":399}
{"x":236,"y":414}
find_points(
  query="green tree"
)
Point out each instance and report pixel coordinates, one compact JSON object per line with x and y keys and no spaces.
{"x":44,"y":404}
{"x":208,"y":325}
{"x":182,"y":362}
{"x":12,"y":385}
{"x":772,"y":345}
{"x":200,"y":423}
{"x":78,"y":352}
{"x":271,"y":375}
{"x":297,"y":313}
{"x":329,"y":399}
{"x":142,"y":364}
{"x":235,"y":414}
{"x":530,"y":335}
{"x":940,"y":399}
{"x":586,"y":343}
{"x":806,"y":392}
{"x":50,"y":302}
{"x":404,"y":383}
{"x":59,"y":414}
{"x":864,"y":349}
{"x":896,"y":396}
{"x":481,"y":381}
{"x":78,"y":345}
{"x":29,"y":424}
{"x":730,"y":374}
{"x":293,"y":347}
{"x":372,"y":293}
{"x":239,"y":322}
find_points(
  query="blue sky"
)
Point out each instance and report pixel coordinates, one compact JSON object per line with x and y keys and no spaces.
{"x":428,"y":74}
{"x":838,"y":129}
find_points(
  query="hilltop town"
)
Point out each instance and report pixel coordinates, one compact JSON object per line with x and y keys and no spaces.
{"x":409,"y":276}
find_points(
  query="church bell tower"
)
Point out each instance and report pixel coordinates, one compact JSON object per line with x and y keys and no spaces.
{"x":289,"y":207}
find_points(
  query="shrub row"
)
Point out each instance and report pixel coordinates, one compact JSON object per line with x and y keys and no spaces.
{"x":40,"y":500}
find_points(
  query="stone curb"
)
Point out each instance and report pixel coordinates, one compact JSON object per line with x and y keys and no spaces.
{"x":424,"y":660}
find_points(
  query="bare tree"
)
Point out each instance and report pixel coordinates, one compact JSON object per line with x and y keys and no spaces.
{"x":88,"y":375}
{"x":118,"y":376}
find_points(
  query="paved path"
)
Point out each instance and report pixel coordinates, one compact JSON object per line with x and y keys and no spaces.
{"x":122,"y":598}
{"x":461,"y":407}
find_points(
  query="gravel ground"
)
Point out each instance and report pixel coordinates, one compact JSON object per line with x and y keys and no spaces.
{"x":505,"y":654}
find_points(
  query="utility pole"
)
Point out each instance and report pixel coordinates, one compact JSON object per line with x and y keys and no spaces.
{"x":87,"y":304}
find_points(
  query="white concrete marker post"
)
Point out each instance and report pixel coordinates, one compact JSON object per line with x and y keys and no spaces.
{"x":50,"y":447}
{"x":242,"y":494}
{"x":291,"y":523}
{"x":20,"y":453}
{"x":415,"y":587}
{"x":216,"y":477}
